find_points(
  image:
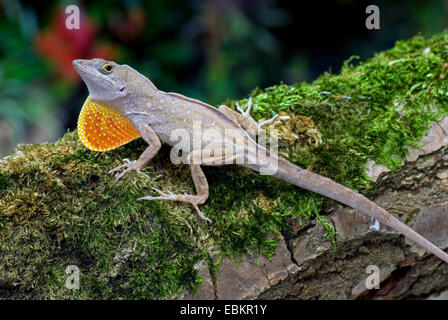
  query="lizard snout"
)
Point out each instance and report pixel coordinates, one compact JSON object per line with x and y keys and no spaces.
{"x":78,"y":63}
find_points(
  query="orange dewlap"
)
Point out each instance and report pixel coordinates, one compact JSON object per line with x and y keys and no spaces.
{"x":101,"y":128}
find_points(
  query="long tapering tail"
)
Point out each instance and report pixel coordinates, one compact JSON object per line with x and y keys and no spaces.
{"x":331,"y":189}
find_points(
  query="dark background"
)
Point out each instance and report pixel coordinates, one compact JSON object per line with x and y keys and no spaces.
{"x":210,"y":50}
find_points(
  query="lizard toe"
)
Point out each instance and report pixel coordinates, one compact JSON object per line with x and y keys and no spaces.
{"x":202,"y":214}
{"x":128,"y":166}
{"x":161,"y":192}
{"x":121,"y":166}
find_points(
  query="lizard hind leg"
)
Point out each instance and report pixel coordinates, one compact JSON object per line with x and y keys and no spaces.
{"x":200,"y":183}
{"x":245,"y":120}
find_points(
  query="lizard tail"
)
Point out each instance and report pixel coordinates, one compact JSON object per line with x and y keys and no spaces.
{"x":331,"y":189}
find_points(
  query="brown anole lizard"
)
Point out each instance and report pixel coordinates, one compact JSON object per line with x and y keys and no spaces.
{"x":123,"y":105}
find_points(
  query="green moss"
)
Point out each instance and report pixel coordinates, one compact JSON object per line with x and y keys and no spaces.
{"x":60,"y":207}
{"x":373,"y":110}
{"x":5,"y":182}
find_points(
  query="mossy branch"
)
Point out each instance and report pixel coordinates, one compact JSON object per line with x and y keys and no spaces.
{"x":60,"y":207}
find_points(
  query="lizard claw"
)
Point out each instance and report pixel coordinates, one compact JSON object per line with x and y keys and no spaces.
{"x":129,"y":166}
{"x":201,"y":214}
{"x":375,"y":226}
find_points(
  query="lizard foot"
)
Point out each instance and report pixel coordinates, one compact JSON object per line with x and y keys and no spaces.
{"x":128,"y":166}
{"x":375,"y":226}
{"x":186,"y":198}
{"x":258,"y":124}
{"x":265,"y":122}
{"x":247,"y":112}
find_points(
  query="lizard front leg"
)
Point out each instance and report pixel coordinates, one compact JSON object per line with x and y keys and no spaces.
{"x":151,"y":137}
{"x":199,"y":179}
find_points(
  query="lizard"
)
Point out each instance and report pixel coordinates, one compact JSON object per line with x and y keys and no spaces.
{"x":123,"y":105}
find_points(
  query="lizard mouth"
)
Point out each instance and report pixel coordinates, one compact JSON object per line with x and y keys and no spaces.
{"x":77,"y":65}
{"x":82,"y":70}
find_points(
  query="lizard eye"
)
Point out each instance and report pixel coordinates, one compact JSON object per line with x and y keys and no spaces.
{"x":107,"y":67}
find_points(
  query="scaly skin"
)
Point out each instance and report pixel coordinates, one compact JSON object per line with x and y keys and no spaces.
{"x":156,"y":115}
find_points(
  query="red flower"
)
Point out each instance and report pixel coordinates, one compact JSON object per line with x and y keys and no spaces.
{"x":61,"y":45}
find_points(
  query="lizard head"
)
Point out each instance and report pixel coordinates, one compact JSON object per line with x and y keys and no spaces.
{"x":114,"y":90}
{"x":110,"y":82}
{"x":106,"y":80}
